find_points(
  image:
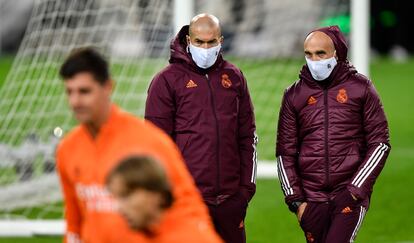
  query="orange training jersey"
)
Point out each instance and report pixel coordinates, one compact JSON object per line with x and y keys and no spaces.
{"x":83,"y":164}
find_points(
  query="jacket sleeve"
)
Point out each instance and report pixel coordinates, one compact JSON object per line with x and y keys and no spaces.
{"x":247,"y":139}
{"x":160,"y":105}
{"x":377,"y":138}
{"x":287,"y":152}
{"x":72,"y":213}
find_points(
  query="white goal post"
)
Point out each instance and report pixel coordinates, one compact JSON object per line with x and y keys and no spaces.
{"x":360,"y":40}
{"x":266,"y":38}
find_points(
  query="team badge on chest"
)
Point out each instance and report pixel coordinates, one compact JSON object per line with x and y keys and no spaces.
{"x":342,"y":97}
{"x":225,"y":81}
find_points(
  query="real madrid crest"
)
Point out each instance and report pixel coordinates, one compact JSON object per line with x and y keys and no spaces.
{"x":342,"y":97}
{"x":225,"y":81}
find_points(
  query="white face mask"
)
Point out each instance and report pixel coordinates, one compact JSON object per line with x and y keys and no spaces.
{"x":321,"y":70}
{"x":204,"y":58}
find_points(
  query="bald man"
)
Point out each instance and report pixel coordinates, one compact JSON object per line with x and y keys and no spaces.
{"x":332,"y":141}
{"x":203,"y":103}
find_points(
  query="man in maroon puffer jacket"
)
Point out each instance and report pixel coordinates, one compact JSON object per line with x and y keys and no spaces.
{"x":203,"y":103}
{"x":332,"y":141}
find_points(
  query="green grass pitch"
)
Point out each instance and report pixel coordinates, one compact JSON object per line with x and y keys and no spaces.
{"x":389,"y":218}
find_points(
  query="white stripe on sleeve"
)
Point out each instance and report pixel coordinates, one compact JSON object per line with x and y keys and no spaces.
{"x":283,"y":178}
{"x":254,"y":169}
{"x":371,"y":164}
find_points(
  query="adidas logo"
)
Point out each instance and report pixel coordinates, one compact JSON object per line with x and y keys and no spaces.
{"x":346,"y":210}
{"x":312,"y":100}
{"x":191,"y":84}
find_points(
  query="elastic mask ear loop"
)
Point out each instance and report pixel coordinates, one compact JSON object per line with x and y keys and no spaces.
{"x":188,"y":44}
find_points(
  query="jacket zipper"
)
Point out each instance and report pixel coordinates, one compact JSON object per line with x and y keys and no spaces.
{"x":325,"y":93}
{"x":213,"y":106}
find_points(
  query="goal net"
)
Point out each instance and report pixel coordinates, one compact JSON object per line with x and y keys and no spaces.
{"x":263,"y":37}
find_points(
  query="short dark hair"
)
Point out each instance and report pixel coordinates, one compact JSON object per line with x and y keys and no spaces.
{"x":85,"y":59}
{"x":143,"y":172}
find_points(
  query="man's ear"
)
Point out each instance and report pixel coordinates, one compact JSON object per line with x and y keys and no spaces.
{"x":221,"y":39}
{"x":110,"y":86}
{"x":187,"y":37}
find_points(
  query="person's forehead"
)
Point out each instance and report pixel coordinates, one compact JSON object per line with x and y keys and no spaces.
{"x":81,"y":79}
{"x":140,"y":195}
{"x":204,"y":25}
{"x":117,"y":184}
{"x":200,"y":32}
{"x":318,"y":39}
{"x":82,"y":76}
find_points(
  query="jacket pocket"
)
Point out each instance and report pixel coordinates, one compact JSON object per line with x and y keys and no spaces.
{"x":235,"y":208}
{"x":344,"y":199}
{"x":305,"y":214}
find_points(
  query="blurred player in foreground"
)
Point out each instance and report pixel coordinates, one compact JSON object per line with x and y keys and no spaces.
{"x":143,"y":192}
{"x":105,"y":135}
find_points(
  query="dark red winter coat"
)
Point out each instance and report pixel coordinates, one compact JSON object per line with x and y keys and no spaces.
{"x":210,"y":116}
{"x":332,"y":136}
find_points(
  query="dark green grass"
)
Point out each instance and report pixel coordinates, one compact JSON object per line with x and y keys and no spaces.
{"x":5,"y":64}
{"x":37,"y":239}
{"x":389,"y":218}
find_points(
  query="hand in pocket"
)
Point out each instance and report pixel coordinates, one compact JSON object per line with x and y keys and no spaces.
{"x":301,"y":210}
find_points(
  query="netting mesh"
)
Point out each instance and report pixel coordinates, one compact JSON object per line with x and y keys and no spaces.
{"x":132,"y":34}
{"x":263,"y":37}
